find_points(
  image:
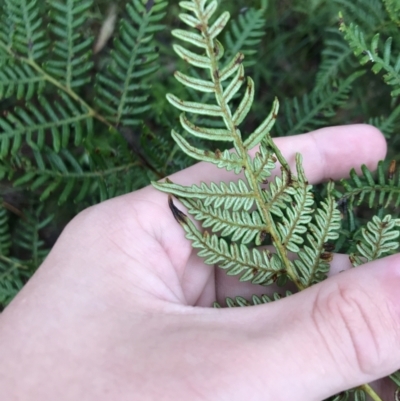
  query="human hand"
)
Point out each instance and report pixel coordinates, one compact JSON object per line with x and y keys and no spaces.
{"x":120,"y":308}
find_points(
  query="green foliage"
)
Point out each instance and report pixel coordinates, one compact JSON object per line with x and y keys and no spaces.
{"x":372,"y":53}
{"x":378,"y":239}
{"x":122,"y":91}
{"x":245,"y":34}
{"x":380,"y":192}
{"x":77,"y":128}
{"x":20,"y":257}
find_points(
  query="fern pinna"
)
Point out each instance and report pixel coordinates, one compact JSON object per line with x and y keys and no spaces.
{"x":247,"y":213}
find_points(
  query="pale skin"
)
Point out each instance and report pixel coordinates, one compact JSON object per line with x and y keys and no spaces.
{"x":120,"y":309}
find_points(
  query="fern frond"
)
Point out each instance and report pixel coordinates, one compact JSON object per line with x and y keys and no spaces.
{"x":122,"y":91}
{"x":27,"y":236}
{"x":368,"y":14}
{"x":393,"y":9}
{"x":66,"y":176}
{"x":235,"y":195}
{"x":381,"y":190}
{"x":62,"y":119}
{"x":259,"y":267}
{"x":298,"y":216}
{"x":29,"y":34}
{"x":226,"y":207}
{"x":241,"y":225}
{"x":29,"y":251}
{"x":13,"y":275}
{"x":255,"y":300}
{"x":379,"y":238}
{"x":245,"y":35}
{"x":314,"y":110}
{"x":371,"y":54}
{"x":5,"y":235}
{"x":20,"y":81}
{"x":337,"y":58}
{"x":313,"y":262}
{"x":388,"y":125}
{"x":70,"y":61}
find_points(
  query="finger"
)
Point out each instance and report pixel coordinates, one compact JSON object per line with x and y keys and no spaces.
{"x":328,"y":153}
{"x":337,"y":335}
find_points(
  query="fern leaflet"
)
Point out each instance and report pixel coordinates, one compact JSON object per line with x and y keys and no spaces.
{"x":120,"y":91}
{"x":71,"y":55}
{"x":379,"y":238}
{"x":371,"y":53}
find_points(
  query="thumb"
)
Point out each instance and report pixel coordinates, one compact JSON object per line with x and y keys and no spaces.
{"x":337,"y":335}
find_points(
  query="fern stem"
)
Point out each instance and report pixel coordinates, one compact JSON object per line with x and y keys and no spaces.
{"x":14,"y":266}
{"x":82,"y":176}
{"x":371,"y":392}
{"x":240,"y":148}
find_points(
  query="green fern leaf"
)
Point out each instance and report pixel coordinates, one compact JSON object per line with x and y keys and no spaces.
{"x":21,"y":81}
{"x":66,"y":176}
{"x":33,"y":122}
{"x":381,"y":191}
{"x":368,"y":14}
{"x":5,"y":235}
{"x":259,"y":267}
{"x":28,"y":35}
{"x":379,"y":238}
{"x":282,"y":210}
{"x":313,"y":262}
{"x":240,"y":225}
{"x":387,"y":124}
{"x":393,"y":9}
{"x":15,"y":271}
{"x":255,"y":300}
{"x":70,"y":61}
{"x":245,"y":35}
{"x":122,"y":92}
{"x":371,"y":54}
{"x":337,"y":58}
{"x":313,"y":111}
{"x":235,"y":195}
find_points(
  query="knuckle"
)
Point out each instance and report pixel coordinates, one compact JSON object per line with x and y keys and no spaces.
{"x":353,"y":327}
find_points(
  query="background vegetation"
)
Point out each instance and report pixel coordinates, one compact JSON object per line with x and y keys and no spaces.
{"x":77,"y":128}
